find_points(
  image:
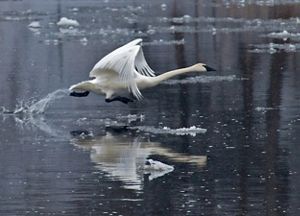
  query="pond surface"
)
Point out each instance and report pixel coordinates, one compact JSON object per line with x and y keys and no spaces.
{"x":231,"y":135}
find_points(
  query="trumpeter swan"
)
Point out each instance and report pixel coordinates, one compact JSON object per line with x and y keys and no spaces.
{"x":126,"y":70}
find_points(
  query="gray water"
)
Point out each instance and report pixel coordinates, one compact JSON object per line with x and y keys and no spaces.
{"x":231,"y":135}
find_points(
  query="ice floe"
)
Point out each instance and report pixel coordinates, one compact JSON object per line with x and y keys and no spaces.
{"x":164,"y":42}
{"x":163,"y":7}
{"x":192,"y":131}
{"x":225,"y":24}
{"x":131,"y":118}
{"x":264,"y":109}
{"x":157,"y":166}
{"x":156,"y":169}
{"x":64,"y":21}
{"x":283,"y":35}
{"x":84,"y":41}
{"x":34,"y":24}
{"x":203,"y":79}
{"x":274,"y":48}
{"x":243,"y":3}
{"x":21,"y":15}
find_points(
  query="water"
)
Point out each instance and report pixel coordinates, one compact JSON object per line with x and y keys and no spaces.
{"x":32,"y":107}
{"x":41,"y":105}
{"x":232,"y":135}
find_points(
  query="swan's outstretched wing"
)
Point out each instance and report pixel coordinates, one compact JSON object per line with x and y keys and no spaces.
{"x":140,"y":63}
{"x":125,"y":62}
{"x":120,"y":64}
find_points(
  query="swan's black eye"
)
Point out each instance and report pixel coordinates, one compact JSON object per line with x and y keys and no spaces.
{"x":147,"y":163}
{"x":92,"y":78}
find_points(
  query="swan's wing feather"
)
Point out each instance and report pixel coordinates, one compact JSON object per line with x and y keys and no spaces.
{"x":121,"y":63}
{"x":132,"y":43}
{"x":125,"y":66}
{"x":106,"y":59}
{"x":141,"y":64}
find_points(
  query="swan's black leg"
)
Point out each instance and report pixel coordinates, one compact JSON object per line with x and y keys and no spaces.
{"x":79,"y":94}
{"x":119,"y":98}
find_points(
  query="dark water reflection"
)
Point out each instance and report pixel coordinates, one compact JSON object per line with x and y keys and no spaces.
{"x":84,"y":157}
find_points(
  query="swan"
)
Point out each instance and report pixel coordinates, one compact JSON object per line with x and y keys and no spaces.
{"x":124,"y":71}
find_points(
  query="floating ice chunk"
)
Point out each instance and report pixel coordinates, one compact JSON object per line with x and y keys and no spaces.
{"x":187,"y":18}
{"x":74,"y":9}
{"x":274,"y":47}
{"x":51,"y":42}
{"x":152,"y":165}
{"x":203,"y":79}
{"x":264,"y":109}
{"x":34,"y":24}
{"x":70,"y":31}
{"x":67,"y":22}
{"x":284,"y":35}
{"x":132,"y":118}
{"x":35,"y":27}
{"x":12,"y":18}
{"x":163,"y":42}
{"x":163,"y":7}
{"x":84,"y":135}
{"x":156,"y":169}
{"x":291,"y":47}
{"x":151,"y":31}
{"x":84,"y":41}
{"x":192,"y":131}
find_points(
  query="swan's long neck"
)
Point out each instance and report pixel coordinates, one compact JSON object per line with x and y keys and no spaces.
{"x":168,"y":75}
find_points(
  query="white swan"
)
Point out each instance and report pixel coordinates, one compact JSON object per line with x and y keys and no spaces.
{"x":126,"y":70}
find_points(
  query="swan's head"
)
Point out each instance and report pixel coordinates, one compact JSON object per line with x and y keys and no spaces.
{"x":202,"y":67}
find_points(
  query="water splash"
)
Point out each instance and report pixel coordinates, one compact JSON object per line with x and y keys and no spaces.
{"x":32,"y":107}
{"x":41,"y":105}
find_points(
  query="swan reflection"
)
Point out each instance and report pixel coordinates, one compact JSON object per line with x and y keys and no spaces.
{"x":122,"y":156}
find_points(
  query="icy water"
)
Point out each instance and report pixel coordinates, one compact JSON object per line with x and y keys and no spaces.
{"x":232,"y":136}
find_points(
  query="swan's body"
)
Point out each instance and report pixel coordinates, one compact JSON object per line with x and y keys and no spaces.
{"x":126,"y":70}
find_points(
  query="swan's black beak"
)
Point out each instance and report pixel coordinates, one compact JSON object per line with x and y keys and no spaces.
{"x":79,"y":94}
{"x":208,"y":68}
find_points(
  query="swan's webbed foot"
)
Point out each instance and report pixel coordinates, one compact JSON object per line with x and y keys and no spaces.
{"x":79,"y":94}
{"x":119,"y":98}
